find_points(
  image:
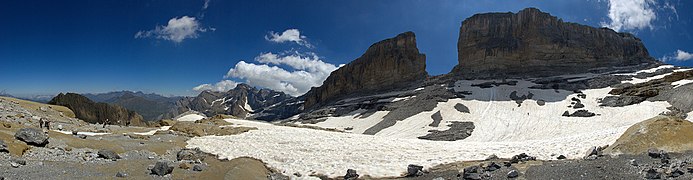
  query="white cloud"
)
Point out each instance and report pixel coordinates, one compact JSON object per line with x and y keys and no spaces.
{"x":631,"y":14}
{"x":305,"y":71}
{"x":679,"y":56}
{"x":206,"y":5}
{"x":290,"y":35}
{"x":177,"y":30}
{"x":221,"y":86}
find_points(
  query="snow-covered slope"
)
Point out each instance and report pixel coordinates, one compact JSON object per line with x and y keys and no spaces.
{"x":502,"y":126}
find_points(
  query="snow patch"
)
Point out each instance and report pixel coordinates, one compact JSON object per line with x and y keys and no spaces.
{"x":83,"y":133}
{"x":190,"y":117}
{"x":149,"y":133}
{"x":681,"y":82}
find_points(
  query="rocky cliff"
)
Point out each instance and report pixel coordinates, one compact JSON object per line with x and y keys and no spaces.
{"x":389,"y":64}
{"x":93,"y":112}
{"x":532,"y":43}
{"x":242,"y":101}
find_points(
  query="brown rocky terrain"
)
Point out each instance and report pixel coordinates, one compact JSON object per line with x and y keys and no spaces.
{"x":671,"y":134}
{"x":92,"y":112}
{"x":389,"y":64}
{"x":533,"y":43}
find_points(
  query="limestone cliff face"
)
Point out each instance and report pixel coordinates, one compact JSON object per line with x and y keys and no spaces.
{"x":93,"y":112}
{"x":532,"y":43}
{"x":389,"y":64}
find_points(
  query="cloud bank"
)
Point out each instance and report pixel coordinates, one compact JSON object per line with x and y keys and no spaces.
{"x":302,"y":72}
{"x":299,"y":74}
{"x":221,"y":86}
{"x":678,"y":56}
{"x":290,"y":35}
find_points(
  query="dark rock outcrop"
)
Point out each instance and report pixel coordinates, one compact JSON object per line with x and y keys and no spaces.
{"x":93,"y":112}
{"x":162,"y":168}
{"x":532,"y":43}
{"x":457,"y":131}
{"x":32,"y":136}
{"x":233,"y":102}
{"x":386,"y":65}
{"x":108,"y":154}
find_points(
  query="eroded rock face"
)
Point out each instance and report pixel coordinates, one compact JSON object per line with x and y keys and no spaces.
{"x":532,"y":43}
{"x":389,"y":64}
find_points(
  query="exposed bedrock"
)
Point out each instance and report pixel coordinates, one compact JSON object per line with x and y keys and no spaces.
{"x":457,"y":131}
{"x":532,"y":43}
{"x":387,"y":65}
{"x":655,"y":90}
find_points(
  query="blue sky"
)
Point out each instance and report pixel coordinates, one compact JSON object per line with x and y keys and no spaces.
{"x":171,"y":47}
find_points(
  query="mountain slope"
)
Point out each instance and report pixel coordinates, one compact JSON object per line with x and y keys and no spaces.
{"x":150,"y":106}
{"x":92,"y":112}
{"x":243,"y":101}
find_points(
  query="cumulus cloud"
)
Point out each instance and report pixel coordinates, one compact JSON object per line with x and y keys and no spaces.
{"x":177,"y":30}
{"x":678,"y":56}
{"x":631,"y":14}
{"x":221,"y":86}
{"x":302,"y":73}
{"x":290,"y":35}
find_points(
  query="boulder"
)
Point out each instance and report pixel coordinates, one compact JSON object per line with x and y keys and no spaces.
{"x":198,"y":167}
{"x":386,"y":65}
{"x":3,"y":147}
{"x":493,"y":166}
{"x":185,"y":165}
{"x":561,"y":157}
{"x":190,"y":154}
{"x":532,"y":43}
{"x":414,"y":170}
{"x":593,"y":151}
{"x":121,"y":175}
{"x":108,"y":154}
{"x":461,"y":108}
{"x":513,"y":174}
{"x":162,"y":168}
{"x":652,"y":174}
{"x":472,"y":172}
{"x":351,"y":175}
{"x":32,"y":136}
{"x":582,"y":113}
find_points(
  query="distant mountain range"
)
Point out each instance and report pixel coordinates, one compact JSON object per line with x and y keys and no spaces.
{"x":244,"y":101}
{"x":151,"y":106}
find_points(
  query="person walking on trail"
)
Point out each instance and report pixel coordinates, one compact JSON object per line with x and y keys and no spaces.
{"x":106,"y":122}
{"x":48,"y":124}
{"x":41,"y":123}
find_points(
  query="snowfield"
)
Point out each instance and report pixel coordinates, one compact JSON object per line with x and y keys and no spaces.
{"x":501,"y":128}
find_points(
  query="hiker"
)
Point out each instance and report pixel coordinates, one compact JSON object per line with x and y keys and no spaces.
{"x":41,"y":123}
{"x":105,"y":122}
{"x":48,"y":124}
